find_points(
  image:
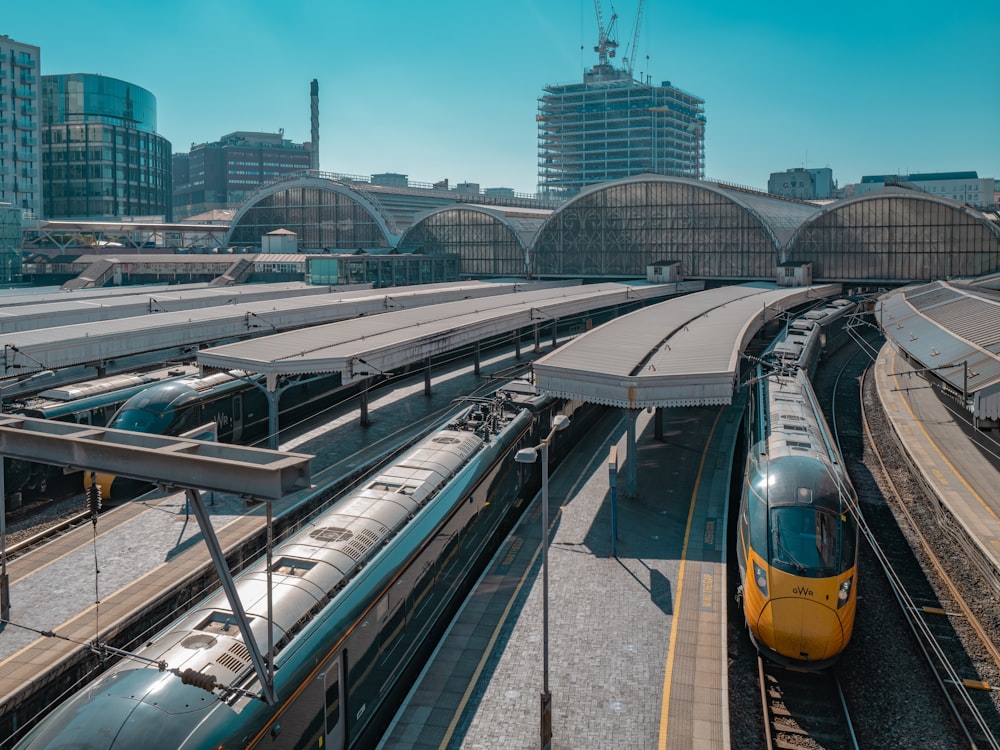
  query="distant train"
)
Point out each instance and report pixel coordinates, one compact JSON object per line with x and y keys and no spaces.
{"x":360,"y":597}
{"x":90,"y":402}
{"x":797,"y":532}
{"x":234,"y":403}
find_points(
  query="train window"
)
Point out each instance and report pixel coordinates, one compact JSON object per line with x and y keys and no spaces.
{"x":848,"y":545}
{"x":332,"y":679}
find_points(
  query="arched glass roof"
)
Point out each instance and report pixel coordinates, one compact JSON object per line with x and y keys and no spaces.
{"x":619,"y":228}
{"x":895,"y":236}
{"x":323,"y":213}
{"x":490,"y":241}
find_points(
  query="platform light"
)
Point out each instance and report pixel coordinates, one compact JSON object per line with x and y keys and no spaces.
{"x":529,"y":456}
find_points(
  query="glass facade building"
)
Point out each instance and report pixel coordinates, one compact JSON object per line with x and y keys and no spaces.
{"x":10,"y":244}
{"x":101,"y":155}
{"x":20,"y":155}
{"x":895,"y":237}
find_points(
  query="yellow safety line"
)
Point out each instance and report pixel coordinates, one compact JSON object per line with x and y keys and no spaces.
{"x":489,"y":649}
{"x":665,"y":707}
{"x":919,"y":423}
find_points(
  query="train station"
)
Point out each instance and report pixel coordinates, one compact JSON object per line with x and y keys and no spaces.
{"x":601,"y":619}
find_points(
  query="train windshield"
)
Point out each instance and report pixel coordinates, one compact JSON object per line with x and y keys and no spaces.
{"x":142,"y":420}
{"x":810,"y":542}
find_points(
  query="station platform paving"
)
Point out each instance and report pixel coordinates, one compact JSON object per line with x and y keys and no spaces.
{"x":964,"y":476}
{"x":637,"y":629}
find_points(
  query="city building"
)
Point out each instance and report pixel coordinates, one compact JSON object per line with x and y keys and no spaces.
{"x":10,"y":244}
{"x":804,"y":184}
{"x":964,"y":187}
{"x":611,"y":126}
{"x":101,"y":155}
{"x":223,"y":174}
{"x":20,"y":161}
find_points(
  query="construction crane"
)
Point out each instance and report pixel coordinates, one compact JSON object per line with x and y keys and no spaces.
{"x":628,"y":59}
{"x":606,"y":45}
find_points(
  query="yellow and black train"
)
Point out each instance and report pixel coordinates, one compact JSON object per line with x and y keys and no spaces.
{"x":797,"y":532}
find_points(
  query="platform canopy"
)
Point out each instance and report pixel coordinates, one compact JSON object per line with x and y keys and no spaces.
{"x":367,"y":346}
{"x":682,"y":352}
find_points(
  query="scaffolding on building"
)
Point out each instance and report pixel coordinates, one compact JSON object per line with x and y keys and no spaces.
{"x":612,"y":125}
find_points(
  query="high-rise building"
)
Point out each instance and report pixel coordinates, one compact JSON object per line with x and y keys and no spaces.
{"x":612,"y":125}
{"x":101,"y":155}
{"x":223,"y":174}
{"x":20,"y":161}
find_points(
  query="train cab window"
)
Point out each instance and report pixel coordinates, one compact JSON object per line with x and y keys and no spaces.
{"x":805,"y":541}
{"x":848,"y":545}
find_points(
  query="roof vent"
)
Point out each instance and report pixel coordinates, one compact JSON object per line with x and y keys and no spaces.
{"x":331,"y":534}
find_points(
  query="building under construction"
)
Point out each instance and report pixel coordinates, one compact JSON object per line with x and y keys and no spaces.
{"x":612,"y":125}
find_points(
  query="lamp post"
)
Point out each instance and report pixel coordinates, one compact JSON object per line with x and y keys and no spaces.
{"x":529,"y":456}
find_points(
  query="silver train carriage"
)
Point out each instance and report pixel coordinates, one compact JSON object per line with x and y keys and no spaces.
{"x":359,"y":598}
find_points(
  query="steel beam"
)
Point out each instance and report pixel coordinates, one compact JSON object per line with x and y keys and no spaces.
{"x":168,"y":461}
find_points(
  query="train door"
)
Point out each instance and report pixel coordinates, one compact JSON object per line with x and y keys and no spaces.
{"x":333,"y":689}
{"x":237,"y":417}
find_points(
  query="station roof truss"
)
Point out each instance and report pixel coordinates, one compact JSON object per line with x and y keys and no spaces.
{"x":682,"y":352}
{"x":948,"y":328}
{"x":61,"y":233}
{"x":368,"y":346}
{"x":175,"y":333}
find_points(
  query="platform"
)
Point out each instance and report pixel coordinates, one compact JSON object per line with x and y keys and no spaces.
{"x":637,"y":640}
{"x":964,"y":479}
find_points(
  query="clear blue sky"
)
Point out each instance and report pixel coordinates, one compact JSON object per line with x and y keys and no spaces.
{"x":449,"y":88}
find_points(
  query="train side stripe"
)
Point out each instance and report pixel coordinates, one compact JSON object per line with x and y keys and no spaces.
{"x":668,"y":670}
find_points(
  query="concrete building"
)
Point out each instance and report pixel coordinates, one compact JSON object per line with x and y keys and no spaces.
{"x":223,"y":174}
{"x":804,"y":184}
{"x":101,"y":155}
{"x":20,"y":159}
{"x":611,"y":126}
{"x":964,"y":187}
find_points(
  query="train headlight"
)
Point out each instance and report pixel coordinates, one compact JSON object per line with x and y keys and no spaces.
{"x":760,"y":578}
{"x":845,"y":592}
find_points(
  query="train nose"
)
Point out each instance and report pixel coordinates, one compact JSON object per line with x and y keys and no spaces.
{"x":804,"y":630}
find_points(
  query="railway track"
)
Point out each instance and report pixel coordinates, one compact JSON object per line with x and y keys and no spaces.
{"x":804,"y":710}
{"x":931,"y":624}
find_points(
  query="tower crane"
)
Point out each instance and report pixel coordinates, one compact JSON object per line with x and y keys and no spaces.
{"x":628,"y":59}
{"x":606,"y":45}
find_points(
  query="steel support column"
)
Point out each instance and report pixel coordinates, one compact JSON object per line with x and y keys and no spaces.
{"x":229,"y":586}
